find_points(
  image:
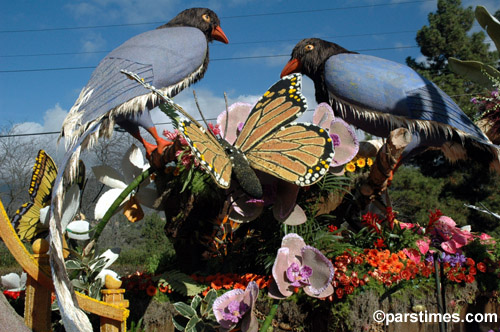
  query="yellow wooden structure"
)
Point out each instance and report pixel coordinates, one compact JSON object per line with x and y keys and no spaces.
{"x":39,"y":286}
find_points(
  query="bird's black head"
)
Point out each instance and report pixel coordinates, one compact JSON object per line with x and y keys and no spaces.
{"x":202,"y":18}
{"x":309,"y":57}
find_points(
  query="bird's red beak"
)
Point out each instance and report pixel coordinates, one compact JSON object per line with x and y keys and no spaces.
{"x":293,"y":66}
{"x":219,"y":35}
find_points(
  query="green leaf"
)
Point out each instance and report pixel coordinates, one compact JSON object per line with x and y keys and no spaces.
{"x":490,"y":24}
{"x":207,"y":302}
{"x":184,"y":310}
{"x":177,"y":325}
{"x":475,"y":71}
{"x":182,"y":283}
{"x":195,"y":302}
{"x":191,"y":325}
{"x":73,"y":265}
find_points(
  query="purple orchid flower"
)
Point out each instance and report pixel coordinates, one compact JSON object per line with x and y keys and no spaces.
{"x":298,"y":265}
{"x":344,"y":139}
{"x":235,"y":307}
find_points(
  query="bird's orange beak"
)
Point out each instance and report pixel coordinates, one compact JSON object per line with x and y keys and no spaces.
{"x":293,"y":66}
{"x":219,"y":35}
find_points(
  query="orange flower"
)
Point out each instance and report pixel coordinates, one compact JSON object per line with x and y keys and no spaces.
{"x":215,"y":285}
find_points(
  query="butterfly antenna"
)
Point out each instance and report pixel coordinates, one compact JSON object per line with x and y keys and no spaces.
{"x":201,"y":113}
{"x":227,"y":115}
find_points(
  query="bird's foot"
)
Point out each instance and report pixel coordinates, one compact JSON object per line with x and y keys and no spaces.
{"x":162,"y":144}
{"x":149,"y":148}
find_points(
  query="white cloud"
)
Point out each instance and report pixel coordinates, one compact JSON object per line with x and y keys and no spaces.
{"x":93,"y":42}
{"x":124,"y":11}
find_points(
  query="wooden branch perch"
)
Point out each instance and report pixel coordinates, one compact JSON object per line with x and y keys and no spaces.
{"x":386,"y":162}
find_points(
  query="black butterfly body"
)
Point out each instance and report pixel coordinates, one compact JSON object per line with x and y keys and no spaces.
{"x":269,"y":142}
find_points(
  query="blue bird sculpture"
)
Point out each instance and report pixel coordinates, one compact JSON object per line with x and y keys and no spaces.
{"x":378,"y":95}
{"x":171,"y":57}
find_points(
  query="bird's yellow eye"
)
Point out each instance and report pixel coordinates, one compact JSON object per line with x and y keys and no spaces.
{"x":309,"y":47}
{"x":206,"y":18}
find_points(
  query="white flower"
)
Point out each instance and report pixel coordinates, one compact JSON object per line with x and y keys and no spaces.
{"x":78,"y":226}
{"x":13,"y":282}
{"x":71,"y":204}
{"x":132,"y":165}
{"x":111,"y":255}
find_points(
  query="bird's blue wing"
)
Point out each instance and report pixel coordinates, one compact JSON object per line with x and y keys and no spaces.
{"x":164,"y":57}
{"x":394,"y":92}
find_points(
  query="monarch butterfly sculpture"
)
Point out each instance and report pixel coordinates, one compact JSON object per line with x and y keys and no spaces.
{"x":269,"y":141}
{"x":26,"y":221}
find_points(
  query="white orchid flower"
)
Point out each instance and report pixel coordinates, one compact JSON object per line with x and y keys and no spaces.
{"x":13,"y":282}
{"x":111,"y":255}
{"x":132,"y":165}
{"x":76,"y":227}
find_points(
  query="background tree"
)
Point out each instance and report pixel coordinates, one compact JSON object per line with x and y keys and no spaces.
{"x":448,"y":35}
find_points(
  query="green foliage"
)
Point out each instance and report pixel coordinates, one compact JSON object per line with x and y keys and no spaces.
{"x":448,"y":35}
{"x":181,"y":283}
{"x":83,"y":271}
{"x":414,"y":194}
{"x":6,"y":258}
{"x":198,"y":316}
{"x":142,"y":237}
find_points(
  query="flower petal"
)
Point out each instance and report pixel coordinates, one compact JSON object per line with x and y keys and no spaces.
{"x":349,"y":144}
{"x":243,"y":211}
{"x":294,"y":243}
{"x":105,"y":202}
{"x":11,"y":281}
{"x":281,"y":264}
{"x":132,"y":163}
{"x":297,"y":217}
{"x":44,"y":215}
{"x":285,"y":198}
{"x":238,"y":113}
{"x":78,"y":226}
{"x":322,"y":271}
{"x":249,"y":322}
{"x":222,"y":302}
{"x":147,"y":197}
{"x":109,"y":176}
{"x":70,"y":205}
{"x":323,"y":115}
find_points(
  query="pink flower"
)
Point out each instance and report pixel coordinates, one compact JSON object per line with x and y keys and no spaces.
{"x":486,"y":239}
{"x":344,"y":139}
{"x":412,"y":254}
{"x":236,"y":306}
{"x":423,"y":245}
{"x":451,"y":236}
{"x":302,"y":266}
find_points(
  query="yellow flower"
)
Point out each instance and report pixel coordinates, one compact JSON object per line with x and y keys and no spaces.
{"x":350,"y":167}
{"x":369,"y":161}
{"x":361,"y":162}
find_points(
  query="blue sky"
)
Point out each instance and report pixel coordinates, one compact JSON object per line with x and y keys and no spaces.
{"x":39,"y":100}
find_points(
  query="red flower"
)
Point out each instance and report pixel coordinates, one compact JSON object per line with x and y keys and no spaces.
{"x":470,"y":262}
{"x":349,"y":289}
{"x":332,"y":228}
{"x":469,"y":278}
{"x":433,"y":217}
{"x":339,"y":292}
{"x":372,"y":221}
{"x":11,"y":294}
{"x":151,"y":290}
{"x":481,"y":267}
{"x":379,"y":243}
